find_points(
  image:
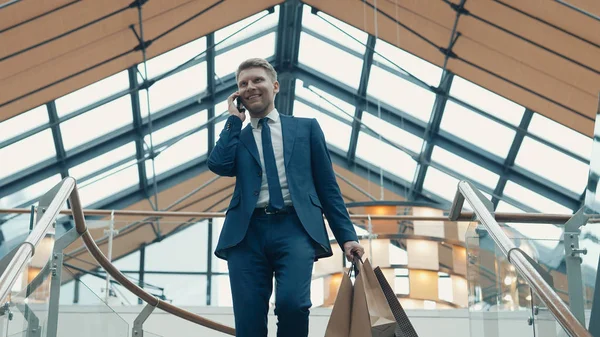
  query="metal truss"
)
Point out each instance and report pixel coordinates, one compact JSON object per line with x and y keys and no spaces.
{"x":286,"y":53}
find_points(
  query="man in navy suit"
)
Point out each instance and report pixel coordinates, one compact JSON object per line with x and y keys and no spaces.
{"x":274,"y":223}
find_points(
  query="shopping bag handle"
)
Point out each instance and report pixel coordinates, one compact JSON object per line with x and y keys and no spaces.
{"x":355,"y":260}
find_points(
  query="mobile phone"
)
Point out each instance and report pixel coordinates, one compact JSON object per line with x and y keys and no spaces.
{"x":239,"y":105}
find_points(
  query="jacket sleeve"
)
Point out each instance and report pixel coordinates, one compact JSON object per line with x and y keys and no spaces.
{"x":222,"y":158}
{"x":327,"y":188}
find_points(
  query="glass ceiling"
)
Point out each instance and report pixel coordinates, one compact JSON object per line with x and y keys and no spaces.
{"x":104,"y":137}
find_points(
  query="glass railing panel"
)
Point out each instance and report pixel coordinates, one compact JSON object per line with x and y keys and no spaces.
{"x":589,"y":240}
{"x":15,"y":325}
{"x":560,"y":269}
{"x":543,"y":321}
{"x":15,"y":230}
{"x":4,"y":321}
{"x":182,"y":277}
{"x":500,"y":300}
{"x":149,"y":334}
{"x":12,"y":321}
{"x":28,"y":306}
{"x":186,"y":276}
{"x":92,"y":319}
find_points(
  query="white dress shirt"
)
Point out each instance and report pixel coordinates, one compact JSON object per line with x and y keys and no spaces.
{"x":277,"y":140}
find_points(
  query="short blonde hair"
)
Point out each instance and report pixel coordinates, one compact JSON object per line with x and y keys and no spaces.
{"x":257,"y":63}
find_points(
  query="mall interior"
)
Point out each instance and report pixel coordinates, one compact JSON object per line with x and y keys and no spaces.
{"x":462,"y":134}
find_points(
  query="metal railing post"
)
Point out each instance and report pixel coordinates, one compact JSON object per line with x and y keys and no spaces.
{"x":138,"y":323}
{"x":573,"y":263}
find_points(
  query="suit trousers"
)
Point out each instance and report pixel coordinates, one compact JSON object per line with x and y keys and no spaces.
{"x":274,"y":245}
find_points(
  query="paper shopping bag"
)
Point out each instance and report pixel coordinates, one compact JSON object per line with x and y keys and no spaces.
{"x":382,"y":320}
{"x":339,"y":321}
{"x":361,"y":310}
{"x":360,"y":324}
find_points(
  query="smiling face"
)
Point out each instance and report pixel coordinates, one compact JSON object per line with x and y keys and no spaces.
{"x":257,"y":91}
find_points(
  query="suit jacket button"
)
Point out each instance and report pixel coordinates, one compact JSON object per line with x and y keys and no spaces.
{"x":255,"y":192}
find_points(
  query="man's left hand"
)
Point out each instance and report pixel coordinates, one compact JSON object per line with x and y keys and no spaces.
{"x":351,"y":247}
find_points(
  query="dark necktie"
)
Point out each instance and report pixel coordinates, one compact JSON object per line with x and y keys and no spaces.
{"x":275,"y":195}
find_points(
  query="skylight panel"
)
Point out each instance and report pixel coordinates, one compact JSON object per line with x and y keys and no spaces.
{"x":465,"y":167}
{"x":400,"y":93}
{"x":261,"y":25}
{"x":26,"y":153}
{"x":109,"y":183}
{"x":561,"y":135}
{"x":29,"y":193}
{"x":393,"y":133}
{"x":92,"y":93}
{"x":392,"y":56}
{"x":325,"y":100}
{"x":170,"y":60}
{"x":220,"y":108}
{"x":336,"y":133}
{"x":96,"y":123}
{"x":486,"y":100}
{"x":477,"y":130}
{"x":505,"y":207}
{"x":383,"y":155}
{"x":335,"y":29}
{"x":227,"y":63}
{"x":101,"y":161}
{"x":173,"y":89}
{"x":218,"y":128}
{"x":330,"y":60}
{"x":534,"y":200}
{"x":178,"y":128}
{"x":185,"y":150}
{"x":553,"y":165}
{"x":22,"y":123}
{"x":440,"y":184}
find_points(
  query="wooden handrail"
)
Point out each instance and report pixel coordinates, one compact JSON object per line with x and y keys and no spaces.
{"x":89,"y":242}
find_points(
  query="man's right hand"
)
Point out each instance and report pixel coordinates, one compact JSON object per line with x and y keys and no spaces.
{"x":233,"y":107}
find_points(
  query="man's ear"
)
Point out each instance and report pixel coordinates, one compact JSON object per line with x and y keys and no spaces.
{"x":275,"y":87}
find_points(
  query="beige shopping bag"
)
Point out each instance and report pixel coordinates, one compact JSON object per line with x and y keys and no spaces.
{"x":339,"y":321}
{"x":367,"y":289}
{"x":361,"y":309}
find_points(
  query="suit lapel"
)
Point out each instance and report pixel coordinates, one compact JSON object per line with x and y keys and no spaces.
{"x":247,"y":139}
{"x":288,"y":130}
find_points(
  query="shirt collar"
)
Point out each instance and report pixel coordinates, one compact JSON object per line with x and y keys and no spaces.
{"x":273,"y":115}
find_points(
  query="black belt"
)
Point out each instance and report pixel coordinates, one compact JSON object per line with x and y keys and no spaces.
{"x":266,"y":210}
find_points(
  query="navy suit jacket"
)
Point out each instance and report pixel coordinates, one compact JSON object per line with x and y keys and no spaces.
{"x":311,"y":181}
